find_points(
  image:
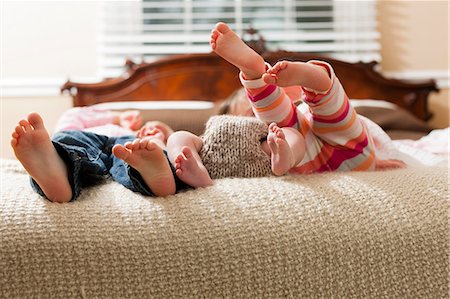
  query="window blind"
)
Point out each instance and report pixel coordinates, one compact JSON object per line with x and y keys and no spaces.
{"x":149,"y":29}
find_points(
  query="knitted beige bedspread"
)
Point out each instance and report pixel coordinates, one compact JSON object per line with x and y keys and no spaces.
{"x":340,"y":235}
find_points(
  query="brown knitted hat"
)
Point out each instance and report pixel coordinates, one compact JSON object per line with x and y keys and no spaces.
{"x":232,"y":147}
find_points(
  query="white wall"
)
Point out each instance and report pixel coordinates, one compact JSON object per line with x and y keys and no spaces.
{"x":48,"y":41}
{"x":49,"y":38}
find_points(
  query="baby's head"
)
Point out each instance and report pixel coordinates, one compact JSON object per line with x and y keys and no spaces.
{"x":237,"y":104}
{"x":156,"y":129}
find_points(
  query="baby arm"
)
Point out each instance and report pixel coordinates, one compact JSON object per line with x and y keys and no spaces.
{"x":81,"y":118}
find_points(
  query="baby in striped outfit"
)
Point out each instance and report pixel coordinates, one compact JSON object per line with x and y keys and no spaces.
{"x":324,"y":133}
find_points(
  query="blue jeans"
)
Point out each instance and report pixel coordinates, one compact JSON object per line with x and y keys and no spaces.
{"x":89,"y":159}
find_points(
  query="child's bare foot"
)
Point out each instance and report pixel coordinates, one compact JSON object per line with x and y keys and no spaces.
{"x":230,"y":47}
{"x":34,"y":149}
{"x":289,"y":73}
{"x":282,"y":158}
{"x":190,"y":170}
{"x":149,"y":160}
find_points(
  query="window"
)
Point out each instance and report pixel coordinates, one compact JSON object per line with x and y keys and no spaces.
{"x":149,"y":29}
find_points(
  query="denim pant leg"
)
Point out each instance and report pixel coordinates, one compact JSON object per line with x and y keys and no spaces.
{"x":84,"y":156}
{"x":89,"y":159}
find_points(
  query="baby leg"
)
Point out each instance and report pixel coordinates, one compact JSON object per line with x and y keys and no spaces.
{"x":34,"y":149}
{"x":182,"y":149}
{"x":230,"y":47}
{"x":286,"y":147}
{"x":149,"y":160}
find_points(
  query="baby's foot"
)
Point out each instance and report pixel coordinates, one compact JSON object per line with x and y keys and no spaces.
{"x":281,"y":156}
{"x":149,"y":160}
{"x":283,"y":73}
{"x":294,"y":73}
{"x":230,"y":47}
{"x":34,"y":149}
{"x":191,"y":170}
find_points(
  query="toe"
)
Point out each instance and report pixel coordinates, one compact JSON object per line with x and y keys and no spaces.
{"x":120,"y":152}
{"x":143,"y":144}
{"x":271,"y":126}
{"x":179,"y":159}
{"x":280,"y":133}
{"x":36,"y":120}
{"x":222,"y":27}
{"x":129,"y":145}
{"x":25,"y":125}
{"x":270,"y":78}
{"x":135,"y":144}
{"x":19,"y":130}
{"x":186,"y":152}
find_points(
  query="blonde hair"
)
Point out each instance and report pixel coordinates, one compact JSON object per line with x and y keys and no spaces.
{"x":235,"y":104}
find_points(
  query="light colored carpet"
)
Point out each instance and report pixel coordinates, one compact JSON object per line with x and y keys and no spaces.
{"x":341,"y":235}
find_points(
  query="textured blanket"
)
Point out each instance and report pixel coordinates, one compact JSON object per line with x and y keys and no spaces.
{"x":341,"y":235}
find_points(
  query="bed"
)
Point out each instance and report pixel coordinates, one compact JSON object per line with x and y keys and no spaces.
{"x":333,"y":235}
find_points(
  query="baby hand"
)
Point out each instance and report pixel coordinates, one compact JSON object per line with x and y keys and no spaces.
{"x":130,"y":119}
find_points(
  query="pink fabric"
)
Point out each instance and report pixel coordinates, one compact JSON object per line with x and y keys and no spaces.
{"x":91,"y":119}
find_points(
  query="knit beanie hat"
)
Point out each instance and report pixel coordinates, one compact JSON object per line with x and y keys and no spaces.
{"x":232,"y":147}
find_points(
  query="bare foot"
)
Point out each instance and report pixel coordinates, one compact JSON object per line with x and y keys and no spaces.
{"x":34,"y":149}
{"x":149,"y":160}
{"x":191,"y":170}
{"x":230,"y":47}
{"x":289,"y":73}
{"x":282,"y":158}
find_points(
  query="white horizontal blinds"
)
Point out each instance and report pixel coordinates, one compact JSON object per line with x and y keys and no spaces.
{"x":149,"y":29}
{"x":355,"y":26}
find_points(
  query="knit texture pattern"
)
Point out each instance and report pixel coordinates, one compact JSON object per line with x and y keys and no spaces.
{"x":232,"y":147}
{"x":330,"y":235}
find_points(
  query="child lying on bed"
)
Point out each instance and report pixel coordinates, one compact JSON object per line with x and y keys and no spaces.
{"x":324,"y":135}
{"x":78,"y":156}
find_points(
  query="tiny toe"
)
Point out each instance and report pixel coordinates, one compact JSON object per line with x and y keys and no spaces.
{"x":270,"y":78}
{"x":135,"y":144}
{"x":120,"y":152}
{"x":143,"y":144}
{"x":186,"y":152}
{"x":180,"y":158}
{"x":36,"y":120}
{"x":222,"y":27}
{"x":14,"y":135}
{"x":25,"y":125}
{"x":214,"y":34}
{"x":19,"y":130}
{"x":129,"y":145}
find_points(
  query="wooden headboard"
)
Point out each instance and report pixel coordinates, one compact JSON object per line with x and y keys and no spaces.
{"x":210,"y":78}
